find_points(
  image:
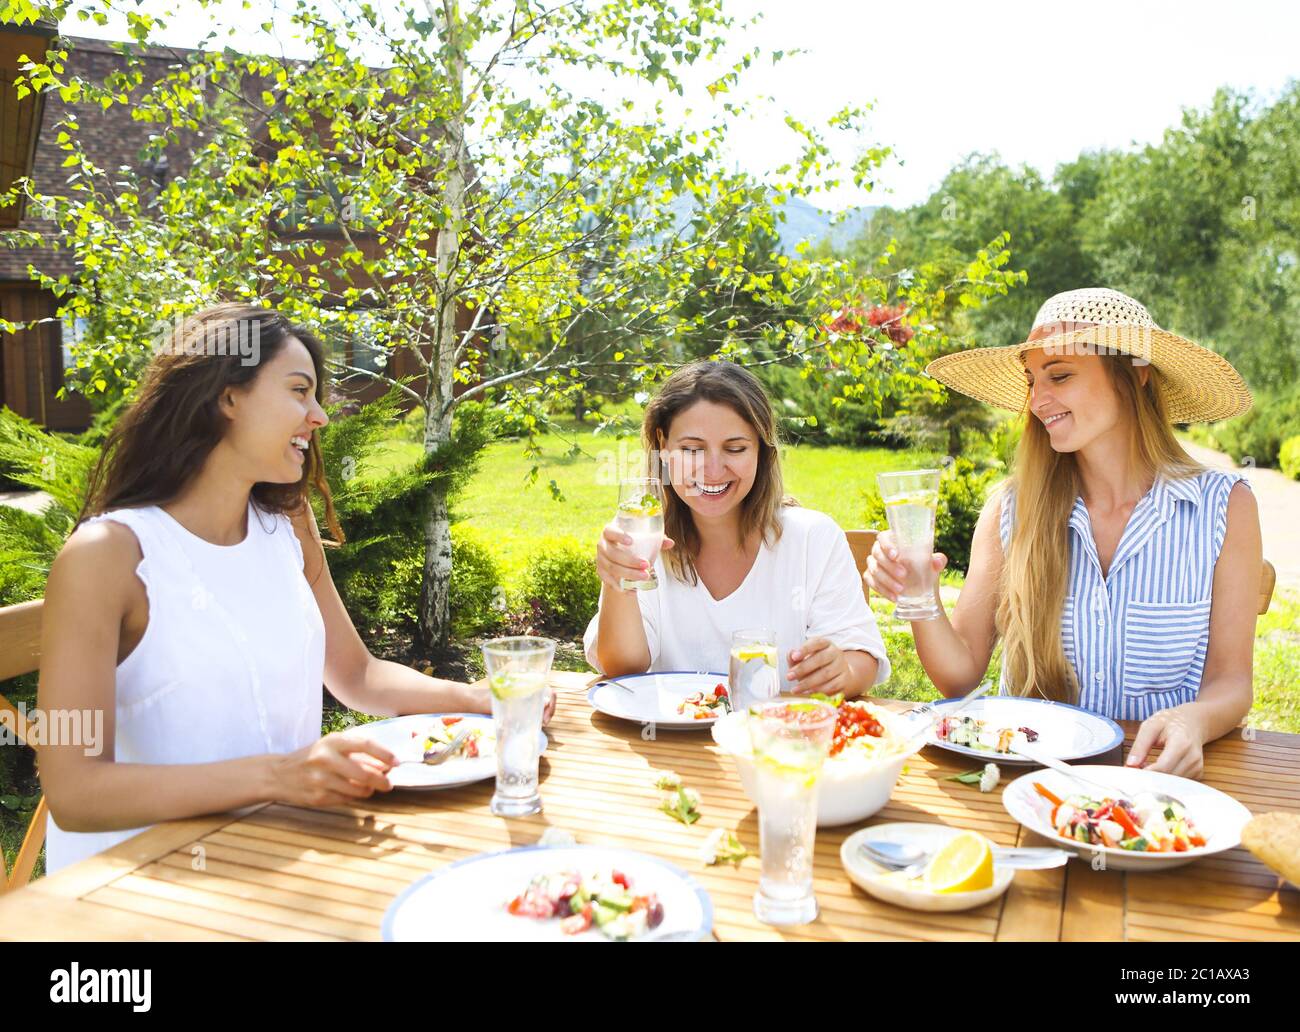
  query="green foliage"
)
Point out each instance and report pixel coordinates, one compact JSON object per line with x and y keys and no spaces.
{"x":1257,"y":437}
{"x":29,"y":542}
{"x":561,"y":585}
{"x":1289,"y":457}
{"x":478,"y":600}
{"x":963,"y":489}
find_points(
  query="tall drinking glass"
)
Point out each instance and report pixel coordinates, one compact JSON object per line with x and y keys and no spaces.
{"x":641,"y":517}
{"x":518,"y":669}
{"x":790,"y":741}
{"x":753,"y":675}
{"x":910,"y":502}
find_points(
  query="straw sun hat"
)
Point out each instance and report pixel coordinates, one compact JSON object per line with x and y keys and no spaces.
{"x":1198,"y":385}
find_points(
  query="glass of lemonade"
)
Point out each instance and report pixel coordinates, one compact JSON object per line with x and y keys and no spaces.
{"x":753,"y":675}
{"x":790,"y":740}
{"x":641,"y":517}
{"x":910,"y":501}
{"x":518,"y":669}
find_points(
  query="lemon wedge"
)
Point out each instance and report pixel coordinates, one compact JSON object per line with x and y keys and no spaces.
{"x":965,"y":864}
{"x":744,"y":655}
{"x":516,"y":685}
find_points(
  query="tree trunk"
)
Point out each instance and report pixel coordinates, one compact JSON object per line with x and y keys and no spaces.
{"x":435,"y":584}
{"x":435,"y":613}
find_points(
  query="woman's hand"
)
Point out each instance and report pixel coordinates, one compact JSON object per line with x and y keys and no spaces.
{"x":615,"y":561}
{"x":1180,"y":737}
{"x":819,"y":666}
{"x":884,"y":574}
{"x":332,"y":771}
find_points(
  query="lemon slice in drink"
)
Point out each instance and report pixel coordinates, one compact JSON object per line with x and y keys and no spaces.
{"x":745,"y":654}
{"x":965,"y":864}
{"x":508,"y":685}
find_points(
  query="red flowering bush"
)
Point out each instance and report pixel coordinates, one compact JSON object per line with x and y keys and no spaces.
{"x":886,"y":318}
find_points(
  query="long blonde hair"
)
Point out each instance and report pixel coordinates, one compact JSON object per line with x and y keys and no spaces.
{"x":723,"y":383}
{"x":1035,"y":568}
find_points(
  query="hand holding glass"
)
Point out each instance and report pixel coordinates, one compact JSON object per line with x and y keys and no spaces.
{"x":911,"y":499}
{"x":641,"y":517}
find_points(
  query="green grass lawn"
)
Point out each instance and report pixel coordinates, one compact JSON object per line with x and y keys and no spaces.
{"x":515,"y":516}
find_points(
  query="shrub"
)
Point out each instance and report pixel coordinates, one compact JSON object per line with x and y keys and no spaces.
{"x":477,"y":598}
{"x":962,"y":491}
{"x":1256,"y":438}
{"x":562,"y":586}
{"x":1289,"y":457}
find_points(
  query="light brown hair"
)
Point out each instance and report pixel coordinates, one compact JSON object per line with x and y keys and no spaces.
{"x":1035,"y":568}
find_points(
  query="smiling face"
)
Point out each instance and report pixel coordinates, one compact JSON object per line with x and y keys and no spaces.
{"x":712,"y":458}
{"x":272,"y":418}
{"x":1074,"y":397}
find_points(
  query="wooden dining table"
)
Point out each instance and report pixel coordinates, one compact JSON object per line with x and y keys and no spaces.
{"x":279,"y":872}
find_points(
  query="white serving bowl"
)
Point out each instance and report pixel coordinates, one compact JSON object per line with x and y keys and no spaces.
{"x":847,"y":791}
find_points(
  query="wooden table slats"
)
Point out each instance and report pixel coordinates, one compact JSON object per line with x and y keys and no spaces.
{"x":291,"y":873}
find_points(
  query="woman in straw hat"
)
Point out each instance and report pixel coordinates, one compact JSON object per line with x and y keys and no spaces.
{"x":1121,"y":575}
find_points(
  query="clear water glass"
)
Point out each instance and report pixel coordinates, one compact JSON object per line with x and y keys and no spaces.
{"x":790,"y":740}
{"x":641,"y":516}
{"x":753,"y":675}
{"x":518,"y":670}
{"x":911,"y":499}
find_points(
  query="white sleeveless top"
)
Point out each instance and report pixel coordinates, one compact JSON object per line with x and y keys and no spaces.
{"x":231,"y":663}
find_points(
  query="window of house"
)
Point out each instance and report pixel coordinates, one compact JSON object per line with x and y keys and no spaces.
{"x":363,"y":346}
{"x":73,"y":331}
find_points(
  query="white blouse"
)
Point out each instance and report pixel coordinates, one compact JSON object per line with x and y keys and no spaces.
{"x":231,"y":663}
{"x":805,"y":586}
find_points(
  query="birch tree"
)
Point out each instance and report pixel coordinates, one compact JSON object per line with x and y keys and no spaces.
{"x":521,"y":194}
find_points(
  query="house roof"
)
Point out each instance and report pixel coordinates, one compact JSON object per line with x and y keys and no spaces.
{"x":112,"y":140}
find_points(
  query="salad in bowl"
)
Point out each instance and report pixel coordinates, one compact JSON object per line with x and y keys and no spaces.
{"x":869,"y":748}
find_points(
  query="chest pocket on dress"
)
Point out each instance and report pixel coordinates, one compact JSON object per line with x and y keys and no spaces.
{"x":1161,"y":642}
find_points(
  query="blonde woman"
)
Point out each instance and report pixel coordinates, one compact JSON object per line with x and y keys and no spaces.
{"x":738,"y":554}
{"x":1121,"y":575}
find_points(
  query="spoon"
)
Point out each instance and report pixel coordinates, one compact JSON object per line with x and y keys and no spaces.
{"x":912,"y":858}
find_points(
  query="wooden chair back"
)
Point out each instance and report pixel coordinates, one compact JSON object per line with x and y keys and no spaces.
{"x":20,"y":653}
{"x":860,"y":544}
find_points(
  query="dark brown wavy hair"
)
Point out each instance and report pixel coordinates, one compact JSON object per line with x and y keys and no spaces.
{"x":174,"y":422}
{"x":723,"y":383}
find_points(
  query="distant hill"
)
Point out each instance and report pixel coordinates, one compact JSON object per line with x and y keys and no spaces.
{"x":803,"y":221}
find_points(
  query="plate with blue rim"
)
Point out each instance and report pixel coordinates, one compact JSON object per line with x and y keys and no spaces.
{"x":467,"y":901}
{"x":1056,"y":729}
{"x":655,"y":697}
{"x":404,"y":737}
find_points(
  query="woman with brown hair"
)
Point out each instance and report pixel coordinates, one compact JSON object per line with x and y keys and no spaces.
{"x":192,"y":607}
{"x":1121,"y":575}
{"x":738,"y":554}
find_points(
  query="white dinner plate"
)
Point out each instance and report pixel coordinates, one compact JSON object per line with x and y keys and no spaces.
{"x":1065,"y":732}
{"x":653,"y":698}
{"x":466,"y":901}
{"x":876,"y":880}
{"x":1218,"y":817}
{"x":405,"y":736}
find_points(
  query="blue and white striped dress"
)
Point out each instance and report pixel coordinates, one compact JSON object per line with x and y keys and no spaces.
{"x":1137,"y":638}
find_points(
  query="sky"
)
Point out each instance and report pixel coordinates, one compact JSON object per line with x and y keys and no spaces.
{"x":1037,"y":82}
